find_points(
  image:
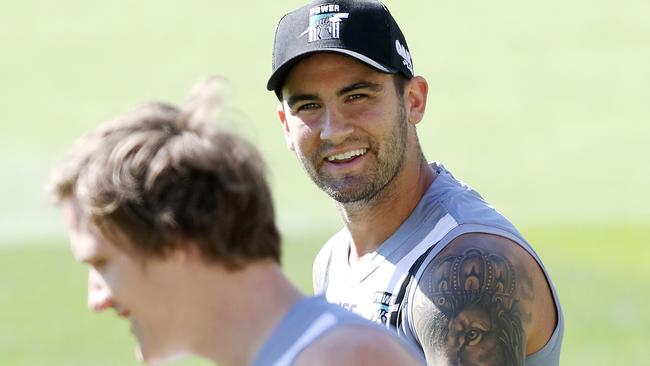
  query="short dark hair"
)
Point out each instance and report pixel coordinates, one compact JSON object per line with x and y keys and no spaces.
{"x":400,"y":83}
{"x":165,"y":179}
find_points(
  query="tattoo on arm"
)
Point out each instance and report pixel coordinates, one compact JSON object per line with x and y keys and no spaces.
{"x":467,"y":309}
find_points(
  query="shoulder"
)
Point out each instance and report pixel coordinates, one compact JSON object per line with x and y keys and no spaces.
{"x":357,"y":345}
{"x":482,"y":297}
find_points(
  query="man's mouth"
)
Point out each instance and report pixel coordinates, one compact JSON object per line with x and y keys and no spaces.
{"x":346,"y":156}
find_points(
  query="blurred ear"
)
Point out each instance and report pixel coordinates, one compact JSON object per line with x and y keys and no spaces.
{"x":415,"y":97}
{"x":285,"y":127}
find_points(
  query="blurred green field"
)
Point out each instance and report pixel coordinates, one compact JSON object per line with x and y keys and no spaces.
{"x":603,"y":291}
{"x":543,"y":107}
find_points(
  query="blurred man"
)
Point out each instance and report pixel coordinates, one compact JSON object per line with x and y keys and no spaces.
{"x":175,"y":220}
{"x":420,"y":252}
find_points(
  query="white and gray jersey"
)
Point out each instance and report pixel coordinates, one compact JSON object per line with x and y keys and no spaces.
{"x":378,"y":288}
{"x":306,"y":322}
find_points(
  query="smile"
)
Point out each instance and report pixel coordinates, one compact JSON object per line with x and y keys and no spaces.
{"x":346,"y":155}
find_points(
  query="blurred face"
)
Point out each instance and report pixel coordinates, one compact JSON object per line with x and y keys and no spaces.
{"x":347,"y":125}
{"x":140,"y":290}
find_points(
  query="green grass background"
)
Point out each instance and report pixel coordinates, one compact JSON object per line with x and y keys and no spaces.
{"x":542,"y":106}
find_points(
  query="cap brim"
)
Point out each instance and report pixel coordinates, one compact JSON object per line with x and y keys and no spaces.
{"x":277,"y":78}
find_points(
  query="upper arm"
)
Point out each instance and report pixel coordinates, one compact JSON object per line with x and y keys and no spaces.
{"x":479,"y":302}
{"x":357,"y":345}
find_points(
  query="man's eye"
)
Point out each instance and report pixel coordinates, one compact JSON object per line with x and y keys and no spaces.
{"x":355,"y":97}
{"x":307,"y":107}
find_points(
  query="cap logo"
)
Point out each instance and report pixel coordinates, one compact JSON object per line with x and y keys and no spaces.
{"x":406,"y":56}
{"x":324,"y":22}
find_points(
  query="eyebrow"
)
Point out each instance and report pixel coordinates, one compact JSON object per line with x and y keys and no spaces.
{"x":360,"y":85}
{"x":299,"y":98}
{"x":292,"y":100}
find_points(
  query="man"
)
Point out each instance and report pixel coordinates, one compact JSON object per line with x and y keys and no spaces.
{"x":420,"y":251}
{"x":175,"y":220}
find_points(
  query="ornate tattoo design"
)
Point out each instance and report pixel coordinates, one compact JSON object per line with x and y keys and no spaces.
{"x":478,"y":319}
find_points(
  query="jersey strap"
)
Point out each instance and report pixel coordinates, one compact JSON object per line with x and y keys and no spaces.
{"x":320,"y":325}
{"x":396,"y":317}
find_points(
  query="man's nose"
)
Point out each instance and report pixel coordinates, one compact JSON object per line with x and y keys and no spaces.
{"x":100,"y":296}
{"x":335,"y":127}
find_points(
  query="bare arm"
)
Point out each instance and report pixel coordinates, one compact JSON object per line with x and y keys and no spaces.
{"x":482,"y":301}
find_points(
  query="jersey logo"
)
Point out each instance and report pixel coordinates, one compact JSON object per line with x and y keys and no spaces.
{"x":386,"y":304}
{"x":324,"y":22}
{"x":348,"y":306}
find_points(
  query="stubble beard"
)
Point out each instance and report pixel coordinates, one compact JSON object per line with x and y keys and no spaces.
{"x":364,"y":188}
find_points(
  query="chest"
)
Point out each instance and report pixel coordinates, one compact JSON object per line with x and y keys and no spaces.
{"x":376,"y":289}
{"x":376,"y":294}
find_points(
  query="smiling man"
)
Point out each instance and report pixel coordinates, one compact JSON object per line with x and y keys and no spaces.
{"x":421,"y":252}
{"x":175,"y":221}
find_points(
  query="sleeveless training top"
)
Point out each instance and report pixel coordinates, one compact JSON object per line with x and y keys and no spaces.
{"x":307,"y":321}
{"x":378,"y":288}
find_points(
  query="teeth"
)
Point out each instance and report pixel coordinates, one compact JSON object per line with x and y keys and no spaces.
{"x":347,"y":155}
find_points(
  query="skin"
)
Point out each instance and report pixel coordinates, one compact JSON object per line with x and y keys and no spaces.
{"x":137,"y":290}
{"x":480,"y":321}
{"x":333,"y":104}
{"x":177,"y":307}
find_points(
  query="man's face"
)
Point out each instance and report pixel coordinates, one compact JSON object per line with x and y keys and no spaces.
{"x":347,"y":124}
{"x":141,"y":290}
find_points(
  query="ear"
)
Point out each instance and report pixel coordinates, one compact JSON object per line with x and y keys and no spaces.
{"x":415,"y":96}
{"x":285,"y":127}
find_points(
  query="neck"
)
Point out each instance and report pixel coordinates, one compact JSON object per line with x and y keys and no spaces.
{"x":371,"y":223}
{"x":242,"y":312}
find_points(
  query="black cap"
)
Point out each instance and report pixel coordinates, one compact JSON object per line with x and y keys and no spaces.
{"x":363,"y":29}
